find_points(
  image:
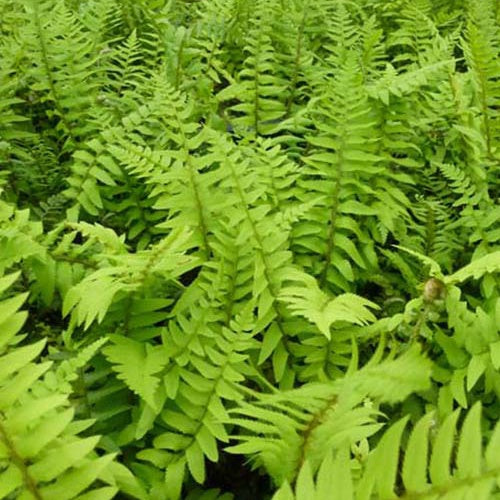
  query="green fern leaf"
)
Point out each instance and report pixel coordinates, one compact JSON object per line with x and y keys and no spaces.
{"x":137,"y":364}
{"x":310,"y":302}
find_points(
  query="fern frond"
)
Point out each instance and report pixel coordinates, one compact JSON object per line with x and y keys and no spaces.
{"x":36,"y":424}
{"x":54,"y":37}
{"x":259,"y":86}
{"x":426,"y":470}
{"x":19,"y":236}
{"x":266,"y":236}
{"x":335,"y":167}
{"x":255,"y":228}
{"x":291,"y":427}
{"x":488,"y":264}
{"x":406,"y":82}
{"x":124,"y":274}
{"x":194,"y":420}
{"x":481,"y":48}
{"x":306,"y":299}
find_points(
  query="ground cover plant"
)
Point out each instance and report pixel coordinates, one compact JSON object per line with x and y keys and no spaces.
{"x":249,"y":249}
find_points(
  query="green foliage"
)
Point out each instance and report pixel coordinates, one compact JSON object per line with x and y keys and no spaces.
{"x":249,"y":249}
{"x":304,"y":424}
{"x":42,"y":454}
{"x":451,"y":464}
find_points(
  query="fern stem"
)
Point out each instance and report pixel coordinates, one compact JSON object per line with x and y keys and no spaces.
{"x":422,"y":318}
{"x":228,"y":310}
{"x":256,"y":96}
{"x":156,"y":253}
{"x":295,"y":75}
{"x":330,"y":246}
{"x":486,"y":118}
{"x":19,"y":462}
{"x":210,"y":395}
{"x":128,"y":73}
{"x":306,"y":436}
{"x":483,"y":93}
{"x":211,"y":55}
{"x":84,"y":393}
{"x":255,"y":233}
{"x":202,"y":225}
{"x":430,"y":229}
{"x":179,"y":62}
{"x":74,"y":260}
{"x":272,"y":288}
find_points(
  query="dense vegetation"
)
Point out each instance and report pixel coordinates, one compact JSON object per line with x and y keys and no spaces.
{"x":249,"y":249}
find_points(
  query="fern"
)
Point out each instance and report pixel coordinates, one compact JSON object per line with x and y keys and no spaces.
{"x":258,"y":248}
{"x":309,"y":301}
{"x":335,"y":168}
{"x":70,"y":90}
{"x":257,"y":88}
{"x":305,"y":423}
{"x":36,"y":423}
{"x":480,"y":50}
{"x":425,"y":469}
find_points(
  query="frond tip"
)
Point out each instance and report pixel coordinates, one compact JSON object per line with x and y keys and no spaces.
{"x":306,"y":299}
